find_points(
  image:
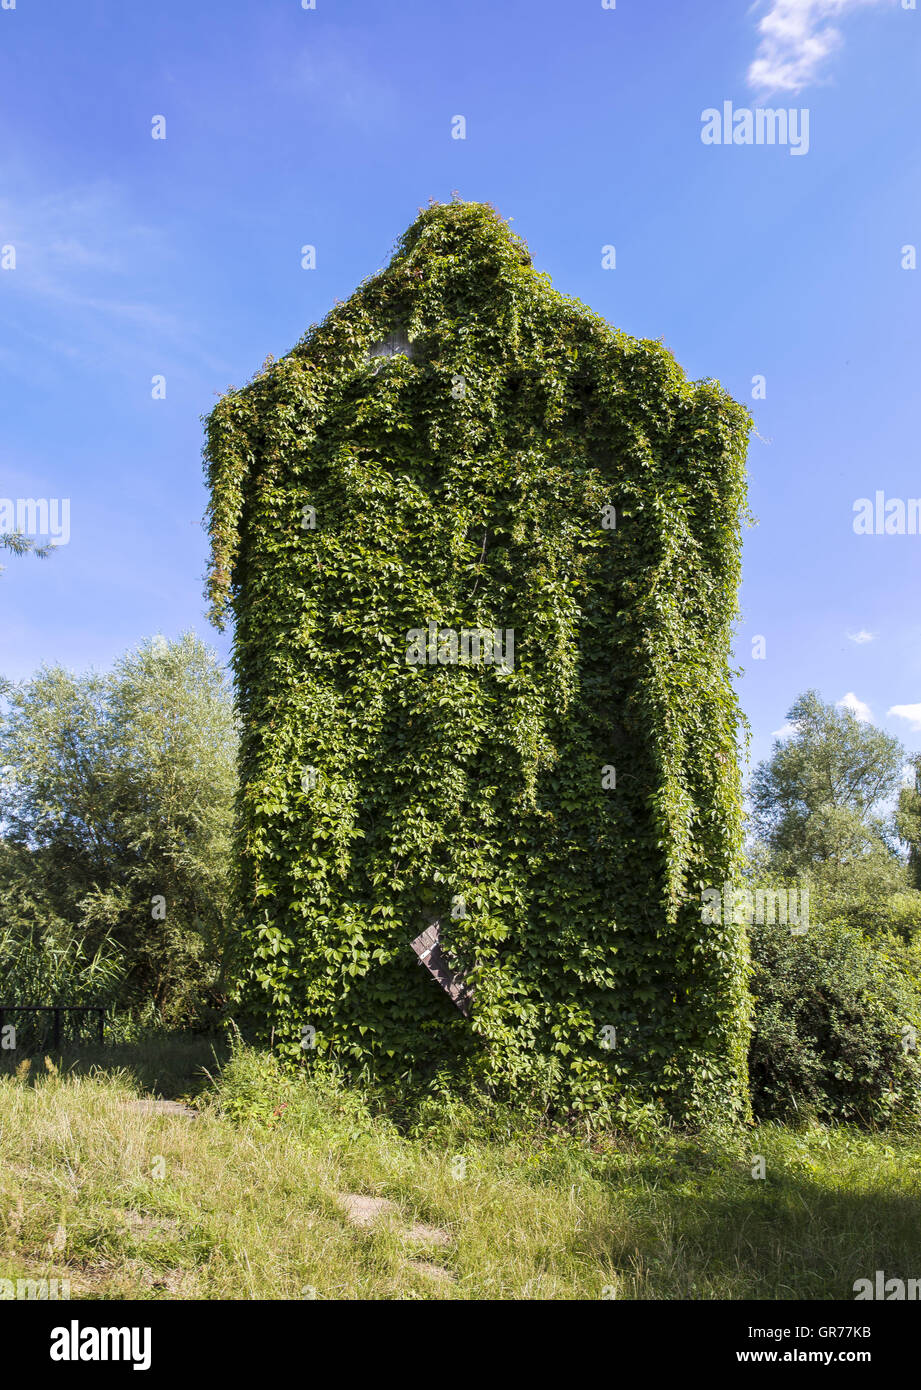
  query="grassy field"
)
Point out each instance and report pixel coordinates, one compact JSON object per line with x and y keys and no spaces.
{"x":261,"y":1192}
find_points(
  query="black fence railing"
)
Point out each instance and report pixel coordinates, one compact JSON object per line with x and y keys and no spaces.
{"x":60,"y":1034}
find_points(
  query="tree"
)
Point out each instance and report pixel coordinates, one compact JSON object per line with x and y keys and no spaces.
{"x":908,"y":820}
{"x":116,"y":805}
{"x":819,"y":801}
{"x":831,"y":1004}
{"x":18,"y":544}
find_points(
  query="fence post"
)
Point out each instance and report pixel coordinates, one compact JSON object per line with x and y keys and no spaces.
{"x":102,"y":1024}
{"x":57,"y":1029}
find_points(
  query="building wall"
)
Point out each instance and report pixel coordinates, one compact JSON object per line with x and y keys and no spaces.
{"x":461,"y":449}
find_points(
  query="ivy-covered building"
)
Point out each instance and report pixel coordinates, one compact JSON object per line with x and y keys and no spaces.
{"x":482,"y":551}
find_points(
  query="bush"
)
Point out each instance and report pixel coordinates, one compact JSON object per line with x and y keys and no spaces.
{"x":890,"y":914}
{"x":48,"y":964}
{"x":116,"y":797}
{"x":832,"y":1032}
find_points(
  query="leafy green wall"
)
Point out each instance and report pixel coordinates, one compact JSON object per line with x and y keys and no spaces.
{"x":466,"y":484}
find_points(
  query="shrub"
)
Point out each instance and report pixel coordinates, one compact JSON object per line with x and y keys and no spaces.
{"x":833,"y":1020}
{"x":116,"y":799}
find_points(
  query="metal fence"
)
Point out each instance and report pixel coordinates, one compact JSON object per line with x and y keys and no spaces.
{"x":63,"y":1032}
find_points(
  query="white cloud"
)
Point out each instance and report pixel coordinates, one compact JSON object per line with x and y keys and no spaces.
{"x":80,"y":228}
{"x":856,"y":707}
{"x":861,"y":636}
{"x":82,"y":287}
{"x":797,"y":37}
{"x":785,"y":731}
{"x":910,"y":712}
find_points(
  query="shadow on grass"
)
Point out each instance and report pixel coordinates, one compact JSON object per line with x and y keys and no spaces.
{"x":787,"y":1236}
{"x":167,"y":1066}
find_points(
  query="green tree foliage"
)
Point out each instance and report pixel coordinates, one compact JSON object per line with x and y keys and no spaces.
{"x":837,"y":1027}
{"x":43,"y":958}
{"x":464,"y":482}
{"x":819,"y":802}
{"x":116,"y":805}
{"x":837,"y":1009}
{"x":908,"y":820}
{"x":18,"y":544}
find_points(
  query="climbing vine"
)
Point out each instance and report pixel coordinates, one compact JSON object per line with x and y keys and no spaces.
{"x":519,"y":467}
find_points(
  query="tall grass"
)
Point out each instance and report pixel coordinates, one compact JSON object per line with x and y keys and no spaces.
{"x":245,"y":1201}
{"x":44,"y":966}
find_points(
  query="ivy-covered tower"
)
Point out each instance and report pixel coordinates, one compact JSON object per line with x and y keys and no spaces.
{"x":482,"y":553}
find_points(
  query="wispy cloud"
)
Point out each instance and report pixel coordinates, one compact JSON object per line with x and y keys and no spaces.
{"x":82,"y":278}
{"x":861,"y":636}
{"x":857,"y":707}
{"x":77,"y":251}
{"x":797,"y":38}
{"x":76,"y":229}
{"x":336,"y":77}
{"x":785,"y":731}
{"x":910,"y":712}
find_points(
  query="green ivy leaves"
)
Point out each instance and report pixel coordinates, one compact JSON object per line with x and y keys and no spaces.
{"x":478,"y":508}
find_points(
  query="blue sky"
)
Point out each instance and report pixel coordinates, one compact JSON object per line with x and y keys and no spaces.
{"x":180,"y":257}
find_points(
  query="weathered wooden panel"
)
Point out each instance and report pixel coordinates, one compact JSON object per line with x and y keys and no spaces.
{"x":429,"y":950}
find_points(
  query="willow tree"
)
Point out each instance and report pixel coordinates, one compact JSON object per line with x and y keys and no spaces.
{"x":482,"y":552}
